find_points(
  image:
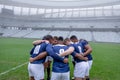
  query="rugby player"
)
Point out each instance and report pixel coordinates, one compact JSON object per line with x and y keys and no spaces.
{"x":35,"y":67}
{"x":81,"y":67}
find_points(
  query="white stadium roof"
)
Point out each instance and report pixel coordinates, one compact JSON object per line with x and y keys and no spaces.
{"x":59,"y":3}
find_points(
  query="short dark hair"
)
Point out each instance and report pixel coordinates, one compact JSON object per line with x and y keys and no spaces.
{"x":47,"y":37}
{"x":60,"y":38}
{"x":66,"y":39}
{"x":44,"y":38}
{"x":83,"y":40}
{"x":55,"y":37}
{"x":73,"y":37}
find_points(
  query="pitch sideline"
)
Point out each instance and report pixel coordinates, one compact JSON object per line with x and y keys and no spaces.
{"x":14,"y":68}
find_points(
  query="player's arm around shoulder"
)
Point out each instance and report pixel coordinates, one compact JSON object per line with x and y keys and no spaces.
{"x":67,"y":52}
{"x":40,"y":56}
{"x":81,"y":57}
{"x":36,"y":42}
{"x":88,"y":50}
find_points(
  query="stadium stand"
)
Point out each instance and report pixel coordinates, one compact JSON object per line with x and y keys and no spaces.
{"x":9,"y":32}
{"x":106,"y":36}
{"x":21,"y":33}
{"x":84,"y":35}
{"x":89,"y":21}
{"x":37,"y":34}
{"x":60,"y":33}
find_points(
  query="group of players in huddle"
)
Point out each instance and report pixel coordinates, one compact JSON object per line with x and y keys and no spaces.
{"x":57,"y":49}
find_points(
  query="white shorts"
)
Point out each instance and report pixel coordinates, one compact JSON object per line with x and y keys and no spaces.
{"x":60,"y":76}
{"x":48,"y":58}
{"x":36,"y":70}
{"x":90,"y":63}
{"x":81,"y":69}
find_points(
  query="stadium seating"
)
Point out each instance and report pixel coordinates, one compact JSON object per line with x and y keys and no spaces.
{"x":106,"y":37}
{"x":37,"y":34}
{"x":9,"y":32}
{"x":60,"y":33}
{"x":82,"y":35}
{"x":65,"y":22}
{"x":21,"y":33}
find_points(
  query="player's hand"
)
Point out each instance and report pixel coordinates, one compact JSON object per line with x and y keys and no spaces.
{"x":82,"y":54}
{"x":58,"y":54}
{"x":31,"y":59}
{"x":65,"y":60}
{"x":46,"y":41}
{"x":86,"y":59}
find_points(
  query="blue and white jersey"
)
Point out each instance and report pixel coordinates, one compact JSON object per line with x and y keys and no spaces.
{"x":84,"y":43}
{"x":79,"y":48}
{"x":36,"y":50}
{"x":51,"y":52}
{"x":59,"y":66}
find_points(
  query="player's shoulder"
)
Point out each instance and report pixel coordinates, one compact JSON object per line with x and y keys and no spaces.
{"x":83,"y":41}
{"x":44,"y":44}
{"x":73,"y":44}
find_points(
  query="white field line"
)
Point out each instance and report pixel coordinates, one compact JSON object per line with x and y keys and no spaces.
{"x":14,"y":68}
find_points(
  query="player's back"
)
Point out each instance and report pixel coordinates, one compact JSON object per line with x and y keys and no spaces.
{"x":36,"y":50}
{"x":79,"y":48}
{"x":57,"y":65}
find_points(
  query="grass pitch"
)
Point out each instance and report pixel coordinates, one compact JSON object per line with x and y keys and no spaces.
{"x":15,"y":51}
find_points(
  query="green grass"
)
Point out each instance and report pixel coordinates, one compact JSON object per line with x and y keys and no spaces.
{"x":15,"y":51}
{"x":106,"y":61}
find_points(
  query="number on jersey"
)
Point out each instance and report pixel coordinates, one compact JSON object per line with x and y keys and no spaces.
{"x":36,"y":50}
{"x":61,"y":51}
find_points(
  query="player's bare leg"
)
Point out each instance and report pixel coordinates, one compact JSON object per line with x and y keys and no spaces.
{"x":79,"y":78}
{"x":73,"y":63}
{"x":87,"y":78}
{"x":47,"y":67}
{"x":31,"y":78}
{"x":48,"y":70}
